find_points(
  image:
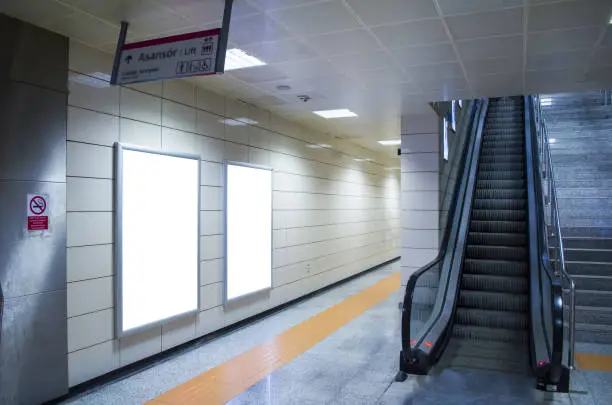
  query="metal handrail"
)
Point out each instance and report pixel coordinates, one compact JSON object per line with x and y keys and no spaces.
{"x":559,"y":265}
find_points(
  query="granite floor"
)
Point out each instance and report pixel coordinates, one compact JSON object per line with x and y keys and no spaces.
{"x":356,"y":365}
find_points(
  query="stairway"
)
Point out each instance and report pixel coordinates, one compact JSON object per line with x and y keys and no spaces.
{"x":490,"y":328}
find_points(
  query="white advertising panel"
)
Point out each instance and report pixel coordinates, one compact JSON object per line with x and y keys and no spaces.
{"x":248,"y":230}
{"x":156,"y":237}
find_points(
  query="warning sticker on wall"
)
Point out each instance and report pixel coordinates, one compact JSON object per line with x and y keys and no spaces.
{"x":38,"y":212}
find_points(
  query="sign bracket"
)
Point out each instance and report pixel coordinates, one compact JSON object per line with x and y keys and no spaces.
{"x":225,"y":27}
{"x":118,"y":52}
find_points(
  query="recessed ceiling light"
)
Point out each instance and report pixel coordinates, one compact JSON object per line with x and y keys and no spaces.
{"x":610,"y":21}
{"x":552,"y":140}
{"x":319,"y":146}
{"x":363,"y":160}
{"x":546,"y":101}
{"x":239,"y":59}
{"x":392,"y":142}
{"x":341,"y":113}
{"x":392,"y":168}
{"x":283,"y":87}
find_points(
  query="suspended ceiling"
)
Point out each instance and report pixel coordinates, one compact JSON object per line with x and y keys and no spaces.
{"x":380,"y":58}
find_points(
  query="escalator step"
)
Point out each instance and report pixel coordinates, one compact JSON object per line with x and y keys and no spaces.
{"x":498,"y":226}
{"x":498,"y":239}
{"x":503,"y":158}
{"x":501,"y":184}
{"x":501,"y":194}
{"x":507,"y":284}
{"x":499,"y":204}
{"x":513,"y":253}
{"x":500,"y":175}
{"x":501,"y":151}
{"x":490,"y":334}
{"x":490,"y":356}
{"x":492,"y":319}
{"x":498,"y":215}
{"x":492,"y":167}
{"x":497,"y":267}
{"x":495,"y":301}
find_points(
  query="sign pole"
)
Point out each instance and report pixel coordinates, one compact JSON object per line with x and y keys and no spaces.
{"x":120,"y":44}
{"x":222,"y":47}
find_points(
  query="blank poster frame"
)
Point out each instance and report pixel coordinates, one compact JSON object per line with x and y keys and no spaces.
{"x":226,"y":299}
{"x":118,"y":234}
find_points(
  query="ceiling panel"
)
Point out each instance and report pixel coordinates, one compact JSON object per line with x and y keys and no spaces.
{"x":202,"y":12}
{"x":434,"y":72}
{"x":391,"y":11}
{"x":569,"y":14}
{"x":491,"y":47}
{"x":602,"y":57}
{"x":452,"y":7}
{"x":276,"y":4}
{"x":480,"y":25}
{"x":424,"y":55}
{"x":384,"y":75}
{"x":562,"y":40}
{"x":498,"y":85}
{"x":280,"y":51}
{"x":319,"y":18}
{"x":480,"y":67}
{"x":258,"y":74}
{"x":254,"y":29}
{"x":85,"y":28}
{"x":362,"y":61}
{"x":412,"y":33}
{"x":344,"y":42}
{"x":306,"y":68}
{"x":607,"y":39}
{"x":560,"y":60}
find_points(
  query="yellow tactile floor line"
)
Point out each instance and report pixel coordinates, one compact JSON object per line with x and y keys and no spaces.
{"x":598,"y":362}
{"x":229,"y":379}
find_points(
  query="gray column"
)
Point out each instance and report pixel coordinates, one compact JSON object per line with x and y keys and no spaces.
{"x":420,"y":163}
{"x":33,"y":99}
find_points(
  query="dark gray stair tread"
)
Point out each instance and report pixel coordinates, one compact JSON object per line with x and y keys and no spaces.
{"x":517,"y":227}
{"x":588,"y":268}
{"x":486,"y":282}
{"x":493,"y":319}
{"x":576,"y":242}
{"x":498,"y":215}
{"x":487,"y":334}
{"x":489,"y":364}
{"x":497,"y":267}
{"x":592,"y":336}
{"x":593,"y":315}
{"x":497,"y":238}
{"x":500,"y":175}
{"x":586,"y":231}
{"x":590,"y":282}
{"x":495,"y":301}
{"x":588,"y":255}
{"x":594,"y":298}
{"x":503,"y":158}
{"x":515,"y":253}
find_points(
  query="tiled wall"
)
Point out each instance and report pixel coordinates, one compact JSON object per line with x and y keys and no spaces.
{"x":333,"y":217}
{"x":420,"y":212}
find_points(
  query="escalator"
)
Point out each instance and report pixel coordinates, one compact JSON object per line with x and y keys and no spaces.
{"x":491,"y":320}
{"x":490,"y":300}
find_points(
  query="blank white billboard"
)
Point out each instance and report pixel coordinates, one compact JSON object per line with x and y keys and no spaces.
{"x":248,"y":258}
{"x":156,"y":237}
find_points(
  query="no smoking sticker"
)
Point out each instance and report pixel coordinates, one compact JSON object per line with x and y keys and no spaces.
{"x":38,"y":212}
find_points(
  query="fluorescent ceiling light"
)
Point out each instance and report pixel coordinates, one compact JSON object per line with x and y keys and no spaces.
{"x":341,"y":113}
{"x":319,"y":146}
{"x":552,"y":140}
{"x":392,"y":168}
{"x":363,"y":160}
{"x":392,"y":142}
{"x":239,"y":59}
{"x":238,"y":122}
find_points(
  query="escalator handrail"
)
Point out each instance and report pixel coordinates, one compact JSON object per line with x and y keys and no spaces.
{"x":553,"y":365}
{"x":475,"y":117}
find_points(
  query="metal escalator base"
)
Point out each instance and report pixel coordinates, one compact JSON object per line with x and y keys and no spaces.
{"x":490,"y":329}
